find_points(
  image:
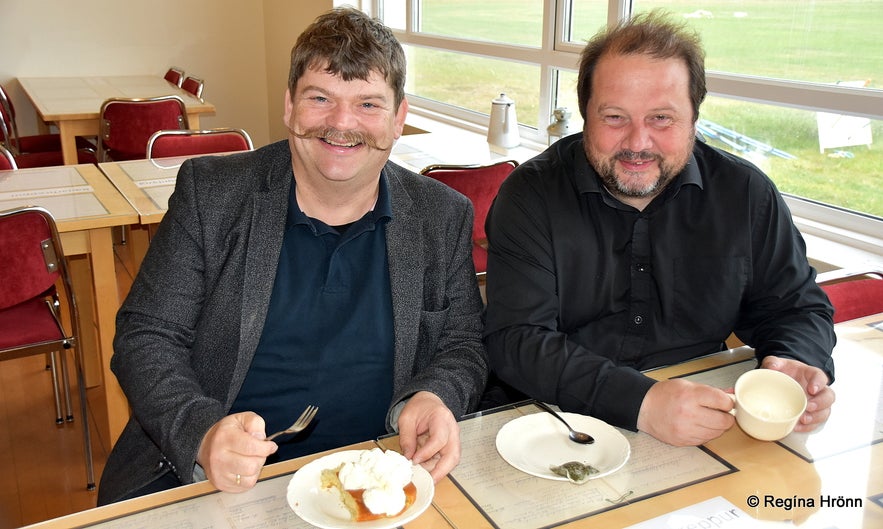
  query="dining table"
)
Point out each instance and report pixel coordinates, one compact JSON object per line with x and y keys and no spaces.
{"x":73,"y":103}
{"x":147,"y":185}
{"x":829,"y":478}
{"x":454,"y":147}
{"x":85,"y":206}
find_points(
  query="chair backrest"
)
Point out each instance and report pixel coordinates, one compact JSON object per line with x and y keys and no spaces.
{"x":853,"y":293}
{"x":174,"y":76}
{"x":479,"y":183}
{"x":169,"y":143}
{"x":126,"y":124}
{"x":7,"y":161}
{"x":9,"y":132}
{"x":31,"y":252}
{"x":193,"y":85}
{"x":8,"y":110}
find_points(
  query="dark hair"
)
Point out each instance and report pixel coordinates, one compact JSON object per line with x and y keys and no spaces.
{"x":349,"y":43}
{"x":652,"y":34}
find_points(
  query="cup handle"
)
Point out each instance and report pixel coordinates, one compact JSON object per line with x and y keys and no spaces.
{"x":732,"y":411}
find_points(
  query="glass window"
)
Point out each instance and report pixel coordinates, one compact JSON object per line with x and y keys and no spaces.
{"x":586,"y":17}
{"x":517,"y":22}
{"x":472,"y":82}
{"x":822,"y":156}
{"x":802,"y":40}
{"x":565,"y":96}
{"x":796,"y":76}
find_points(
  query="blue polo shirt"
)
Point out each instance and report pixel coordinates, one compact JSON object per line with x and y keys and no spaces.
{"x":328,"y":336}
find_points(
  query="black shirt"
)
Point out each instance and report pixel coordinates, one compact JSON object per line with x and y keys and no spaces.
{"x":585,"y":291}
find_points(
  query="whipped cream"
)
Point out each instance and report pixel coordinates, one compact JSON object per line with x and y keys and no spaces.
{"x":383,"y":476}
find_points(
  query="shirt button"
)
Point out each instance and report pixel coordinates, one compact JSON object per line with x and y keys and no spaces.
{"x":641,"y":268}
{"x":639,"y":320}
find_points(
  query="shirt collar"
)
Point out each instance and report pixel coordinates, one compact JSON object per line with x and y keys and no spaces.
{"x":382,"y":210}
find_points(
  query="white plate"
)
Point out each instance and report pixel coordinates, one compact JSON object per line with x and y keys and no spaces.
{"x":323,"y":508}
{"x":533,"y":443}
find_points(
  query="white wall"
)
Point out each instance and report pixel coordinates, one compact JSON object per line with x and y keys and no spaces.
{"x":284,"y":20}
{"x":239,"y":48}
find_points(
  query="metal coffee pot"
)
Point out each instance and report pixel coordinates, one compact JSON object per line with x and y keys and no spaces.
{"x":502,"y":130}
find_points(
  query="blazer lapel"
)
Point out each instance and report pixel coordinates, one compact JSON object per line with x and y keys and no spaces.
{"x":266,"y":231}
{"x":405,"y":252}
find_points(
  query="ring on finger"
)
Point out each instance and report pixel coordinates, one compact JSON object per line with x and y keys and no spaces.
{"x":238,"y":479}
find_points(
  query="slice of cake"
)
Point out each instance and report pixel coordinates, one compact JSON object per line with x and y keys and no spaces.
{"x":376,"y":485}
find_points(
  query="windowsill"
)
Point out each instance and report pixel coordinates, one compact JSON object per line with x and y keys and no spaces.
{"x":834,"y":239}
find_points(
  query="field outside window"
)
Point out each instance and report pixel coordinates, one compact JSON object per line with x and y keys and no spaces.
{"x":463,"y":53}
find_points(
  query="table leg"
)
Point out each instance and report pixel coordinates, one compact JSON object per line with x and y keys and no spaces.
{"x":68,"y":143}
{"x":69,"y":130}
{"x":92,"y":267}
{"x":139,"y":240}
{"x":107,"y":293}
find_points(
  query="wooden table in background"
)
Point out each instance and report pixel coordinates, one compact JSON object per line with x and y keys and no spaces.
{"x":73,"y":103}
{"x":147,"y":185}
{"x":85,"y":206}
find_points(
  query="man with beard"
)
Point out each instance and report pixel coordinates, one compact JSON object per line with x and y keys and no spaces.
{"x":630,"y":246}
{"x":310,"y":271}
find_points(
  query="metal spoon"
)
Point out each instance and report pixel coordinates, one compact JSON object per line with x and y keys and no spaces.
{"x":575,"y":436}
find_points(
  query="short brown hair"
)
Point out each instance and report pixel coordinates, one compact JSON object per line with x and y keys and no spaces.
{"x":352,"y":45}
{"x":652,"y":34}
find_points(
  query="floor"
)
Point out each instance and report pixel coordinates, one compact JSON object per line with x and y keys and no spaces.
{"x":44,"y":471}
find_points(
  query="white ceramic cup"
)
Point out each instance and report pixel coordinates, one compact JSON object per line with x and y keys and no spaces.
{"x":768,"y":404}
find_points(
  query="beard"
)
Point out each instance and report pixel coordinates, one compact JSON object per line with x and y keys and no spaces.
{"x":340,"y":137}
{"x":624,"y":186}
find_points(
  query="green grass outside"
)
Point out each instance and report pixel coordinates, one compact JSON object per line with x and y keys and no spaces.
{"x":820,"y":41}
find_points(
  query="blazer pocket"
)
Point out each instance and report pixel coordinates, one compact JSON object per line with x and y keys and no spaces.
{"x":432,"y":325}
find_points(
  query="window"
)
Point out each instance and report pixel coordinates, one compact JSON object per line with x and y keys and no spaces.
{"x":802,"y":77}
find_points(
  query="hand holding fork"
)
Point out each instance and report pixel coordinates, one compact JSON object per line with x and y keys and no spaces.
{"x":302,"y":422}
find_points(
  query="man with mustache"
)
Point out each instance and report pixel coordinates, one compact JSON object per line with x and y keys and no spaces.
{"x":630,"y":246}
{"x":310,"y":271}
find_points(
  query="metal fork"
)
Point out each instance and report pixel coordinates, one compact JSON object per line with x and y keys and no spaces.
{"x":302,"y":422}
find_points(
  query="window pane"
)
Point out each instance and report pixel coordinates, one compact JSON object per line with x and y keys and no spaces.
{"x":565,"y":96}
{"x":392,"y":12}
{"x":820,"y":156}
{"x":518,"y":22}
{"x":822,"y":41}
{"x":587,"y":17}
{"x":472,"y":82}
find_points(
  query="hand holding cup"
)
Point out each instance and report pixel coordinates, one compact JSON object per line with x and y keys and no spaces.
{"x":768,"y":404}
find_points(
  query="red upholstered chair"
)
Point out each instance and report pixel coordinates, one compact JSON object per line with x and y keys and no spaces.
{"x":39,"y":150}
{"x":480,"y":184}
{"x":169,"y":143}
{"x":854,"y":293}
{"x":32,"y":270}
{"x":193,"y":85}
{"x":126,"y":124}
{"x":7,"y":162}
{"x":174,"y":76}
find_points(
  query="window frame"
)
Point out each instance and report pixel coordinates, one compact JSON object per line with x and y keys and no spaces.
{"x":827,"y":221}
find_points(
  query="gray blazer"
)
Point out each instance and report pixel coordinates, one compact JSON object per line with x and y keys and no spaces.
{"x":190,"y":325}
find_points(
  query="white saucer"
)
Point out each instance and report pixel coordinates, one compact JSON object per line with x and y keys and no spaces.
{"x":535,"y":442}
{"x":323,"y":508}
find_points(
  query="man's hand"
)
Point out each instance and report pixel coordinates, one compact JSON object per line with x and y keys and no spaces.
{"x":429,"y":434}
{"x":684,"y":413}
{"x":234,"y":450}
{"x":814,"y":381}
